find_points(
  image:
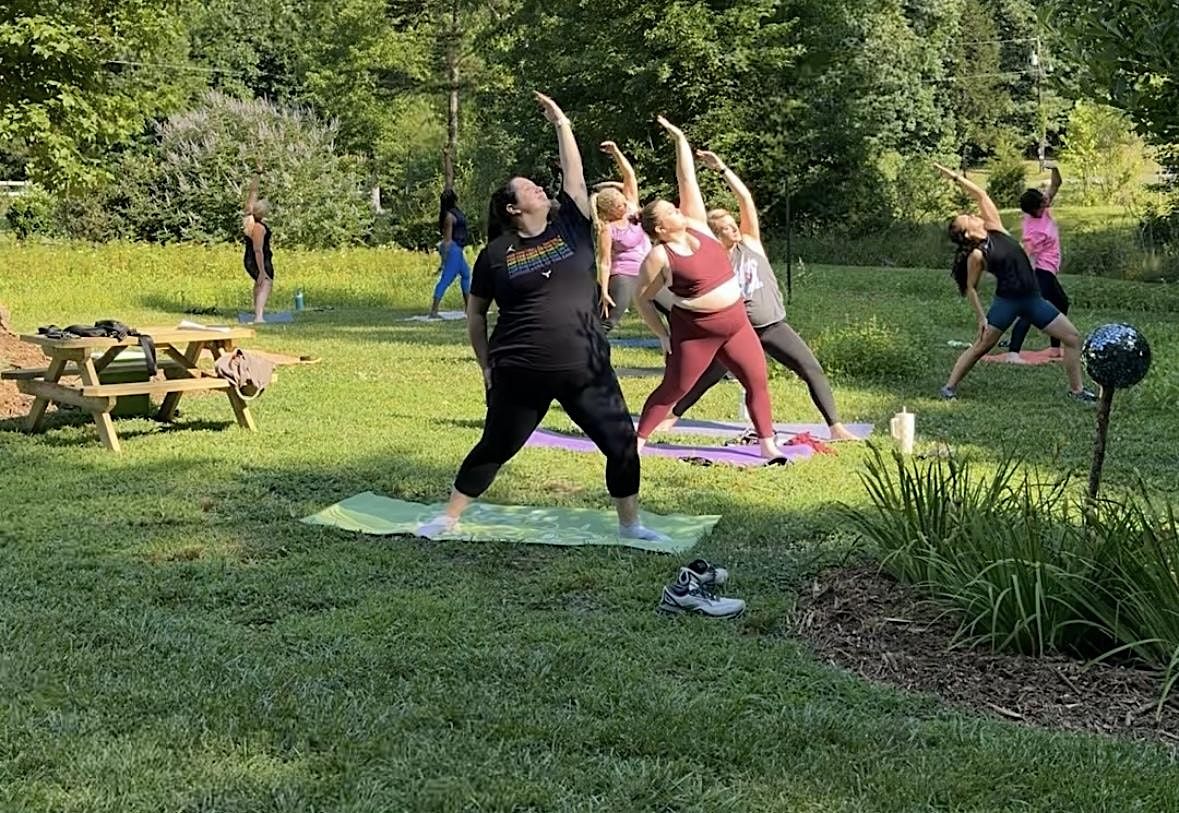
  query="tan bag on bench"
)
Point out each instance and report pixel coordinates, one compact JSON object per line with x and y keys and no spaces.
{"x":249,"y":374}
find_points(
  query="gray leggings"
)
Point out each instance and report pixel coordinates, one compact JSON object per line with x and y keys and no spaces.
{"x":783,"y":345}
{"x":622,"y":290}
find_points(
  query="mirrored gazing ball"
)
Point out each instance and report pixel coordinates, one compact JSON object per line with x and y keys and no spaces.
{"x":1116,"y":356}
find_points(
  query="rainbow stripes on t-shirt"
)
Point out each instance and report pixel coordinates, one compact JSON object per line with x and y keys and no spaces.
{"x":532,"y":259}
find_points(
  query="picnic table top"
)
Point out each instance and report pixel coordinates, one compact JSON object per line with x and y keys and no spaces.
{"x":160,"y":335}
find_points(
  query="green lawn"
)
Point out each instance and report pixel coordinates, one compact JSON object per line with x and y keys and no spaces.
{"x":172,"y":639}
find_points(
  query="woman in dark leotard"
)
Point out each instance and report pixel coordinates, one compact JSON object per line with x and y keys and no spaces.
{"x":708,"y":320}
{"x":256,"y":239}
{"x":984,"y":245}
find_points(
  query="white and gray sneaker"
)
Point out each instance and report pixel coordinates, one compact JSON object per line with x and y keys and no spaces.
{"x":687,"y":595}
{"x":708,"y":574}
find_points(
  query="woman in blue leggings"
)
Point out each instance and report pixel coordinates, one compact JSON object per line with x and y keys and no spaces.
{"x":452,"y":224}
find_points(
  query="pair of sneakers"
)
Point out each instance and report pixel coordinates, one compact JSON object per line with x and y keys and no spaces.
{"x":694,"y":591}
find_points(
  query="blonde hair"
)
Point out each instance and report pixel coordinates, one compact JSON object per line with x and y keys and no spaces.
{"x":260,"y":209}
{"x":715,"y":216}
{"x":609,"y":200}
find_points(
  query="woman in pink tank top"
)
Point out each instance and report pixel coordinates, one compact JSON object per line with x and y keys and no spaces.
{"x":1041,"y":241}
{"x":620,"y":244}
{"x":708,"y":321}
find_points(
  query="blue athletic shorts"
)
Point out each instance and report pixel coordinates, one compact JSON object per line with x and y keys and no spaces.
{"x":1036,"y":309}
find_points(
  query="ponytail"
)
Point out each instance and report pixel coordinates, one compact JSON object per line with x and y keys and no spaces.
{"x":498,"y":218}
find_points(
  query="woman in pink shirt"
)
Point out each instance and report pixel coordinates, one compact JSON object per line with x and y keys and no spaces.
{"x":620,"y":244}
{"x":1041,"y":241}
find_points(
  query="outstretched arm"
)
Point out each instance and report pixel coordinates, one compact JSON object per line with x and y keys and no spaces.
{"x":1057,"y":182}
{"x":572,"y":172}
{"x":691,"y":201}
{"x":477,"y":308}
{"x":987,"y":207}
{"x":630,"y":183}
{"x":974,"y":271}
{"x":603,"y":260}
{"x":750,"y":226}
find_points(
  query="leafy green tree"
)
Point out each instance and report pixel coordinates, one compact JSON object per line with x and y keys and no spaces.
{"x":72,"y":89}
{"x":192,"y":185}
{"x":1130,"y":49}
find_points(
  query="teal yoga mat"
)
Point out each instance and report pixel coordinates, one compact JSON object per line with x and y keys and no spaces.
{"x":370,"y":513}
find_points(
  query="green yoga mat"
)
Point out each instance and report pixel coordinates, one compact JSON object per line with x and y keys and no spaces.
{"x":371,"y":513}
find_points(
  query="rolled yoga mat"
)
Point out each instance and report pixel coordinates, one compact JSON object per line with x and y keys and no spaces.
{"x":731,"y":429}
{"x":370,"y":513}
{"x":744,"y":456}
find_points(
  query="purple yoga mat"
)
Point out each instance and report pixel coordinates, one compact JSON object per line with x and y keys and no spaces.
{"x":729,"y":455}
{"x":729,"y":429}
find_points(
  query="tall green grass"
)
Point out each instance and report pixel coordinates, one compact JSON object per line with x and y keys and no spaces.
{"x":1024,"y":565}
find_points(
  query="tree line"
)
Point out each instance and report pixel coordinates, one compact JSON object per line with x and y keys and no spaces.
{"x":144,"y":120}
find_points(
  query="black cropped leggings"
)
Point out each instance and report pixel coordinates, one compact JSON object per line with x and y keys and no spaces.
{"x":785,"y":346}
{"x":517,"y":402}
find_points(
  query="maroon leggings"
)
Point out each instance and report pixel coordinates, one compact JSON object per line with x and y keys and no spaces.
{"x":696,"y":340}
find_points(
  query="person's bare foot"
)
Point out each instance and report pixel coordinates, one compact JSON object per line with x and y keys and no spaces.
{"x":840,"y":432}
{"x":666,"y":424}
{"x":1015,"y":358}
{"x":770,"y":450}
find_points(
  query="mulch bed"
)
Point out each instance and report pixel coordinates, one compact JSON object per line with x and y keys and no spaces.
{"x":15,"y":353}
{"x":868,"y":623}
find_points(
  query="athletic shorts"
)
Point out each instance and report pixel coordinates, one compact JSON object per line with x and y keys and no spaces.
{"x":1036,"y":309}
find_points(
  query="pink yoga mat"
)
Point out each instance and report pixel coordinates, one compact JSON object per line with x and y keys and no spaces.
{"x":1030,"y":358}
{"x":728,"y":455}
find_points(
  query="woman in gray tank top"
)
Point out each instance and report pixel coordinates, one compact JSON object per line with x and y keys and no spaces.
{"x":763,"y":304}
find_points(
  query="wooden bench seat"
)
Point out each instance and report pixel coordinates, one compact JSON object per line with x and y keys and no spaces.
{"x":116,"y":366}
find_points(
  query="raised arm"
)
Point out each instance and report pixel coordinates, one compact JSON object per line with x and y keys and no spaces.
{"x":572,"y":172}
{"x":1057,"y":182}
{"x":691,"y":201}
{"x":750,"y":225}
{"x":630,"y":183}
{"x":987,"y":207}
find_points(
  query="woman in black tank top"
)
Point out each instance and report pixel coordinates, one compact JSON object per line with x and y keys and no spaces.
{"x":256,"y":244}
{"x":985,"y":246}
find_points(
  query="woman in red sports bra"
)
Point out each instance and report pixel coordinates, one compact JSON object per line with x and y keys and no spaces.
{"x":708,"y":320}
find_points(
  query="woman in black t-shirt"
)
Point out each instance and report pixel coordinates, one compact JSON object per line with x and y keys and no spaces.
{"x":548,"y":343}
{"x":984,"y":245}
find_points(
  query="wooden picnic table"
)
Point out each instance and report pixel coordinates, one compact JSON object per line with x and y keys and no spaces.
{"x":178,"y":351}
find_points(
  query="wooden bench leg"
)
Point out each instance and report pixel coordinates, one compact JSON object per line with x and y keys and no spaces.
{"x":106,"y":427}
{"x":245,"y":418}
{"x":36,"y":417}
{"x":241,"y":409}
{"x":168,"y":409}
